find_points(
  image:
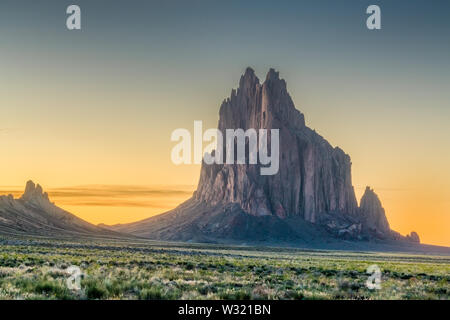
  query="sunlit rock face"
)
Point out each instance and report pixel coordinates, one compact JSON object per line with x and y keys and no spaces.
{"x":313,"y":177}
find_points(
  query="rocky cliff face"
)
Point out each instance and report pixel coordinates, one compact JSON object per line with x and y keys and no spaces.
{"x":372,"y":213}
{"x":314,"y":178}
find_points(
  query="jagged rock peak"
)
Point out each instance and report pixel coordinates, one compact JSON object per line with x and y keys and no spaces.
{"x":249,"y":80}
{"x":372,"y":211}
{"x":33,"y":191}
{"x":272,"y":75}
{"x":274,"y":82}
{"x":413,"y":237}
{"x":370,"y":193}
{"x":249,"y":73}
{"x":313,"y":177}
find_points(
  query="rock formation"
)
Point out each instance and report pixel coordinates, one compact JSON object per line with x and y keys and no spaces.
{"x":314,"y":177}
{"x":311,"y":198}
{"x":413,"y":237}
{"x":34,"y":194}
{"x":372,"y":213}
{"x":34,"y":214}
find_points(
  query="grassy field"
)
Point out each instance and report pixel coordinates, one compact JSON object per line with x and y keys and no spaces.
{"x":37,"y":269}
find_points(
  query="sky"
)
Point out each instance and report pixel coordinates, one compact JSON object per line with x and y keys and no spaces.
{"x":88,"y":114}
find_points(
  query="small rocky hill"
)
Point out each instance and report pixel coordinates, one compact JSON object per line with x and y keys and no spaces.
{"x":34,"y":214}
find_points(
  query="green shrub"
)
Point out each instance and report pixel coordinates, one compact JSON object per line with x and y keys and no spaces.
{"x":95,"y":290}
{"x":153,"y":293}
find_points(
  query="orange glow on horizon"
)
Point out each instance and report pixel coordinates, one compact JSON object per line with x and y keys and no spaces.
{"x":397,"y":146}
{"x":406,"y":209}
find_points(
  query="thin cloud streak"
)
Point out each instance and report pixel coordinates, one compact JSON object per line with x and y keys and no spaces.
{"x":114,"y":195}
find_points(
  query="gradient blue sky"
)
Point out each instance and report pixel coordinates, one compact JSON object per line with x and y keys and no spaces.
{"x":97,"y":106}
